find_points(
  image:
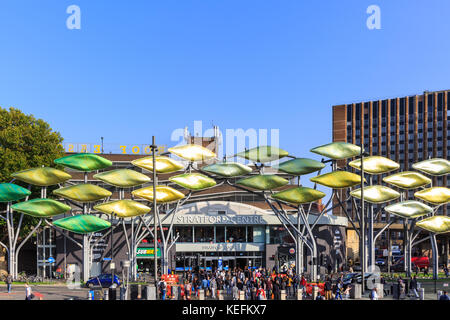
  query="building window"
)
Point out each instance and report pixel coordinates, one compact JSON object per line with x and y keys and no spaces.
{"x":204,"y":234}
{"x":220,"y":234}
{"x":236,"y":234}
{"x":185,"y":234}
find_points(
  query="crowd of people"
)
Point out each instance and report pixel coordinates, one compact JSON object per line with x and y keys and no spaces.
{"x":255,"y":284}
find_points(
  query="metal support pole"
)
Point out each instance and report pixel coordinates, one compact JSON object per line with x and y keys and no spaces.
{"x":435,"y":258}
{"x":86,"y":244}
{"x":155,"y":233}
{"x":362,"y":224}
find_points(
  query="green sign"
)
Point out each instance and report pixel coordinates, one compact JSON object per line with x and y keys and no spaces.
{"x":147,"y":253}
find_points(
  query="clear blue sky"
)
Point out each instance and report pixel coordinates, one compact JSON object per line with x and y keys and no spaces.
{"x":143,"y":68}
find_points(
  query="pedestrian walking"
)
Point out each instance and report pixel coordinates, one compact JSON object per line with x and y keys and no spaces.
{"x":9,"y":282}
{"x":444,"y":296}
{"x":28,"y":292}
{"x":327,"y":288}
{"x":413,"y":286}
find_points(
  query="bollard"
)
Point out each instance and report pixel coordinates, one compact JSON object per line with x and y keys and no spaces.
{"x":201,"y":295}
{"x":139,"y":295}
{"x":299,"y":294}
{"x":421,"y":293}
{"x":105,"y":295}
{"x":355,"y":291}
{"x":241,"y":295}
{"x":315,"y":292}
{"x":221,"y":295}
{"x":151,"y":292}
{"x":283,"y":295}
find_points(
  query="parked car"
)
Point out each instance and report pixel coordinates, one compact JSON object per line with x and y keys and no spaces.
{"x":104,"y":280}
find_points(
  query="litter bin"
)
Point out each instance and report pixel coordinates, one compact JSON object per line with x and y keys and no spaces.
{"x":112,"y":294}
{"x":105,"y":295}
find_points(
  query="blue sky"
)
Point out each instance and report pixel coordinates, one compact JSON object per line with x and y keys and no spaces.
{"x":143,"y":68}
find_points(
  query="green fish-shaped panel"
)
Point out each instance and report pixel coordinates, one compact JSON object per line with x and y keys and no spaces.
{"x":375,"y":165}
{"x":299,"y":195}
{"x":338,"y":179}
{"x":433,"y":167}
{"x":300,"y":166}
{"x":84,"y":162}
{"x":123,"y":178}
{"x":408,"y":180}
{"x":409,"y":209}
{"x":163,"y":164}
{"x":82,"y":224}
{"x":83,"y":193}
{"x":376,"y":194}
{"x":12,"y":192}
{"x":41,"y":208}
{"x":163,"y":194}
{"x":435,"y":195}
{"x":263,"y":154}
{"x":263,"y":182}
{"x":228,"y":169}
{"x":192,"y":152}
{"x":436,"y":224}
{"x":123,"y":208}
{"x":193,"y":181}
{"x":43,"y":177}
{"x":338,"y":150}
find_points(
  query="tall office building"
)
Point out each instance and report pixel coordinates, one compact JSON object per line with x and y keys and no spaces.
{"x":407,"y":130}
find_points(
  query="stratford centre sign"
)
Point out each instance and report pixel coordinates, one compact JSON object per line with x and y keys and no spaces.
{"x":221,"y":219}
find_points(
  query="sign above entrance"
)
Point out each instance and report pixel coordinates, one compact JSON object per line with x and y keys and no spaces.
{"x":220,"y":219}
{"x":147,"y":253}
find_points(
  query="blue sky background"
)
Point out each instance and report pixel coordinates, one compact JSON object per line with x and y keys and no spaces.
{"x":143,"y":68}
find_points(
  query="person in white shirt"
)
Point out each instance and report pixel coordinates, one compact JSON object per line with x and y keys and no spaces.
{"x":28,"y":293}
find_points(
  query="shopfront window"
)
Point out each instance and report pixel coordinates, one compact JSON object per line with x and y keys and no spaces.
{"x":279,"y":235}
{"x":185,"y":234}
{"x":236,"y":234}
{"x":249,"y":234}
{"x":204,"y":234}
{"x":220,"y":234}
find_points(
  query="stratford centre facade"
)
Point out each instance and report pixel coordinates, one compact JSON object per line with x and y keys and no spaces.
{"x":217,"y":234}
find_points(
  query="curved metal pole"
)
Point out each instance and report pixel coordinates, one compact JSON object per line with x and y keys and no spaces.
{"x":16,"y":258}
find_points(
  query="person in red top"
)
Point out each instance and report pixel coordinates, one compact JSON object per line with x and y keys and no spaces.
{"x":261,"y":294}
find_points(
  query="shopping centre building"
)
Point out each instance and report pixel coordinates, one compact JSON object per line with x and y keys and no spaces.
{"x":219,"y":227}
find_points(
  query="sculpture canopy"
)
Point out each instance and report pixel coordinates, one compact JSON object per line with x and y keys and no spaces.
{"x":300,"y":166}
{"x":434,"y":167}
{"x":82,"y":224}
{"x":375,"y":165}
{"x":84,"y":162}
{"x":193,"y":181}
{"x":83,"y":193}
{"x":263,"y":154}
{"x":42,"y":176}
{"x":192,"y":152}
{"x":338,"y":150}
{"x":409,"y":209}
{"x":41,"y":208}
{"x":435,"y":224}
{"x":123,"y":208}
{"x":228,"y":169}
{"x":263,"y":182}
{"x":123,"y":178}
{"x":338,"y":179}
{"x":163,"y":164}
{"x":408,"y":180}
{"x":376,"y":194}
{"x":299,"y":195}
{"x":12,"y":192}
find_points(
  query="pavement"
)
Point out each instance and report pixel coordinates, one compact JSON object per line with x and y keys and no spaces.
{"x":62,"y":292}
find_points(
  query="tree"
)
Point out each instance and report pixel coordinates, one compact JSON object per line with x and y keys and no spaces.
{"x":25,"y":142}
